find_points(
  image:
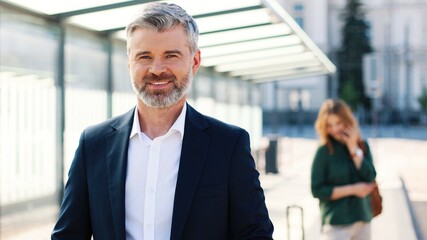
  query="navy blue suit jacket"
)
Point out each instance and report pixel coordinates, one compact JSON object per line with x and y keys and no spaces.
{"x":218,"y":194}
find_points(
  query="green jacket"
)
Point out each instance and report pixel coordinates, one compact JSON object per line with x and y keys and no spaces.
{"x":337,"y":169}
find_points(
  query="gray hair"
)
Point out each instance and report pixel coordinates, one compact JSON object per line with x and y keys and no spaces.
{"x":162,"y":16}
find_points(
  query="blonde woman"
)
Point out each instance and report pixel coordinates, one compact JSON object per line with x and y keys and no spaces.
{"x":342,"y":174}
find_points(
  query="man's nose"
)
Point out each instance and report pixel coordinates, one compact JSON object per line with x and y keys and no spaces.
{"x":157,"y":67}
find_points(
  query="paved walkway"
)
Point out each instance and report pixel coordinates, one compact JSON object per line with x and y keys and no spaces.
{"x":404,"y":159}
{"x":395,"y":159}
{"x":292,"y":187}
{"x":30,"y":225}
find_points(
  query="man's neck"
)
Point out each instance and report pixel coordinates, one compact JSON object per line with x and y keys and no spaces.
{"x":155,"y":122}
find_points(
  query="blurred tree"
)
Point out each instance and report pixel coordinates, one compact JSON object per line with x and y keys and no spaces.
{"x":423,"y":100}
{"x":350,"y":95}
{"x":355,"y":43}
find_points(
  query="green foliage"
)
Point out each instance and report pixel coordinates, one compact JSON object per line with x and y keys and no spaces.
{"x":350,"y":95}
{"x":354,"y":46}
{"x":423,"y":100}
{"x":355,"y":31}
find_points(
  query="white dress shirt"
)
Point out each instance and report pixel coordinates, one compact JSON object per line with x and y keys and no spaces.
{"x":152,"y":171}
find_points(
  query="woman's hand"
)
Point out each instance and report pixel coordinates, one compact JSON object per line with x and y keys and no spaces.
{"x":360,"y":189}
{"x":351,"y":137}
{"x":363,"y":189}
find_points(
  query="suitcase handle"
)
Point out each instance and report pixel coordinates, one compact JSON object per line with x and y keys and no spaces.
{"x":288,"y":209}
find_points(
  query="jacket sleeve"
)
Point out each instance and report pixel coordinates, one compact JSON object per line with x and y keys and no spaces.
{"x":248,"y":213}
{"x":74,"y":218}
{"x":319,"y":174}
{"x":367,"y":170}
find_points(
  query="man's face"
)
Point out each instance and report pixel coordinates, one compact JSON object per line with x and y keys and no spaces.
{"x":161,"y":65}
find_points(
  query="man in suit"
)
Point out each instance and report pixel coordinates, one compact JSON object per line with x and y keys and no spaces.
{"x":163,"y":170}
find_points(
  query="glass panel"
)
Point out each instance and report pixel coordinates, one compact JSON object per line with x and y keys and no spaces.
{"x":287,"y":72}
{"x":203,"y":85}
{"x":251,"y":46}
{"x":121,"y":78}
{"x":26,"y":44}
{"x":233,"y":20}
{"x":221,"y":90}
{"x":119,"y":17}
{"x":55,"y":7}
{"x":306,"y":99}
{"x":86,"y":60}
{"x":266,"y":53}
{"x":105,"y":20}
{"x":27,"y":112}
{"x":243,"y":92}
{"x":265,"y":62}
{"x":124,"y":97}
{"x":294,"y":100}
{"x":83,"y":107}
{"x":276,"y":68}
{"x":233,"y":91}
{"x":85,"y":82}
{"x":245,"y":34}
{"x":203,"y":7}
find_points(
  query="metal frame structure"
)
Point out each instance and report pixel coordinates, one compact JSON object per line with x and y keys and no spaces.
{"x":253,"y":40}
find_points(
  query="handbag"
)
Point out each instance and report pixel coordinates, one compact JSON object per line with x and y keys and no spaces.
{"x":376,"y":198}
{"x":376,"y":202}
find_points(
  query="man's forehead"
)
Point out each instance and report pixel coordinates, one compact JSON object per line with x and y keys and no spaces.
{"x":151,"y":43}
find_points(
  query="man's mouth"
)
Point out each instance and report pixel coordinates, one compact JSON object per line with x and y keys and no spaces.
{"x":159,"y":83}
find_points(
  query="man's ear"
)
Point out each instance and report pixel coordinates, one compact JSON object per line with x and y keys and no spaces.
{"x":196,"y":61}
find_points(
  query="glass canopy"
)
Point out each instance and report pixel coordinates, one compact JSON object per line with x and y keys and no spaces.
{"x":254,"y":40}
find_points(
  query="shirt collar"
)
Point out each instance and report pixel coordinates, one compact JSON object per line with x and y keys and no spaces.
{"x":178,"y":125}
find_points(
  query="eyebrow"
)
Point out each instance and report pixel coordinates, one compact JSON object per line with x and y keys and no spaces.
{"x":142,"y":53}
{"x":167,"y":52}
{"x":173,"y":52}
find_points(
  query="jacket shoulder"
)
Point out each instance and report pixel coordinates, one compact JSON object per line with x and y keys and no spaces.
{"x":109,"y":125}
{"x":223,"y":129}
{"x":218,"y":124}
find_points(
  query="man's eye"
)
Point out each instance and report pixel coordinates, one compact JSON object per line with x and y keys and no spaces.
{"x":144,"y":57}
{"x":171,"y":56}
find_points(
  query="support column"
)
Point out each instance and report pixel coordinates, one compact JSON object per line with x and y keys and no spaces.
{"x":109,"y":87}
{"x":60,"y":113}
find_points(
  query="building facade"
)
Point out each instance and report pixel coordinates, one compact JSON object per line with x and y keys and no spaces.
{"x":395,"y":74}
{"x":304,"y":93}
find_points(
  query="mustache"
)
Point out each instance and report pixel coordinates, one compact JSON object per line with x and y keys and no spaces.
{"x":161,"y":77}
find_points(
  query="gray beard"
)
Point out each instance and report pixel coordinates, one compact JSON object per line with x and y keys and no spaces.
{"x":161,"y":99}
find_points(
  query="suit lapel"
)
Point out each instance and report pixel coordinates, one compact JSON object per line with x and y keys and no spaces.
{"x":117,"y":148}
{"x":193,"y":155}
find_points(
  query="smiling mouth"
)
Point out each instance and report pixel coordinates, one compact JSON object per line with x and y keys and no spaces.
{"x":159,"y":83}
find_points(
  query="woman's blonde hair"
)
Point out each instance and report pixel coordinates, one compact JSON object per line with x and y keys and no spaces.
{"x":338,"y":108}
